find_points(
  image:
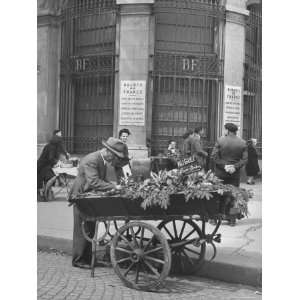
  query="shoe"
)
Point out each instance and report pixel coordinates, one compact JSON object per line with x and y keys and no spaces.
{"x":81,"y":265}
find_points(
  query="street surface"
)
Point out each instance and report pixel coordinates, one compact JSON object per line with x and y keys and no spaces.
{"x":58,"y":280}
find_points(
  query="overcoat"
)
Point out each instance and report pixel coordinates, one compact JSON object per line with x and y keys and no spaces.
{"x":48,"y":158}
{"x":91,"y":176}
{"x":229,"y":150}
{"x":187,"y":144}
{"x":197,"y":151}
{"x":252,"y":166}
{"x":121,"y":162}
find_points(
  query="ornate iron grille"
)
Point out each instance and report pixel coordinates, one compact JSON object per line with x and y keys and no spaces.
{"x":252,"y":124}
{"x":188,"y":69}
{"x":87,"y":73}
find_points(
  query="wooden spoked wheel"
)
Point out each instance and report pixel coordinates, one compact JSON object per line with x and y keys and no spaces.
{"x":116,"y":225}
{"x":113,"y":228}
{"x":187,"y":255}
{"x":141,"y":260}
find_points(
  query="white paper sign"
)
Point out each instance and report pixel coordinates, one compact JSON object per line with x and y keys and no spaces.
{"x":132,"y":102}
{"x":126,"y":171}
{"x":233,"y":105}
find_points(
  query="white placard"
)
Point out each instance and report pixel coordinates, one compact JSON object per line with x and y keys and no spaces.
{"x":233,"y":105}
{"x":126,"y":171}
{"x":132,"y":102}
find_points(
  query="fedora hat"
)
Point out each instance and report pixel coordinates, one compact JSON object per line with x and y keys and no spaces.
{"x":115,"y":146}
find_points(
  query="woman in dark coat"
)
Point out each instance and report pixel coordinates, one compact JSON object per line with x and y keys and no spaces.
{"x":121,"y":162}
{"x":49,"y":158}
{"x":252,"y":166}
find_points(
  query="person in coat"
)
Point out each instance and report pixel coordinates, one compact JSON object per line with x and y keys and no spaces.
{"x":49,"y":157}
{"x":197,"y":150}
{"x":187,"y":142}
{"x":91,"y":177}
{"x":230,"y":155}
{"x":252,"y":166}
{"x":120,"y":163}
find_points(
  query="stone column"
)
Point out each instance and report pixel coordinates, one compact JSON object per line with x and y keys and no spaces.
{"x":234,"y":53}
{"x":134,"y":46}
{"x":48,"y":53}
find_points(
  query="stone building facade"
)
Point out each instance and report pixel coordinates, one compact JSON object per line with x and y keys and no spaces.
{"x":157,"y":67}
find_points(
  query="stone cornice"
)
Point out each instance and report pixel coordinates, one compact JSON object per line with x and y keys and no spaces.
{"x":48,"y":20}
{"x":237,"y":10}
{"x":134,"y":2}
{"x":251,"y":2}
{"x":50,"y":7}
{"x":237,"y":15}
{"x":136,"y":9}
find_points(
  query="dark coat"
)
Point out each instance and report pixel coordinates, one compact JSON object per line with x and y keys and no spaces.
{"x":252,"y":166}
{"x":229,"y":150}
{"x":48,"y":159}
{"x":51,"y":152}
{"x":121,"y":162}
{"x":197,"y":151}
{"x":187,"y":144}
{"x":91,"y":175}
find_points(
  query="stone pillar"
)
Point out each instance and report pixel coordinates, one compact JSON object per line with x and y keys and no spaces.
{"x":48,"y":54}
{"x":134,"y":46}
{"x":234,"y":53}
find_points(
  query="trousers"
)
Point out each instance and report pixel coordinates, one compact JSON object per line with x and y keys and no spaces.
{"x":82,"y":249}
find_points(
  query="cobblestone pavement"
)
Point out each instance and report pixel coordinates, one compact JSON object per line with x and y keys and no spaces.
{"x":57,"y":279}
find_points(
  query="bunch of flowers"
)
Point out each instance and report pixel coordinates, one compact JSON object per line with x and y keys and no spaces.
{"x":156,"y":190}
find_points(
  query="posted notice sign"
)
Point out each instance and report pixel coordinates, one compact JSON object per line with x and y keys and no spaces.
{"x":132,"y":102}
{"x":233,"y":105}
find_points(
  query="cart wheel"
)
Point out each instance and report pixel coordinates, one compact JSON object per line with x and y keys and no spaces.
{"x":144,"y":261}
{"x":117,"y":225}
{"x":187,"y":256}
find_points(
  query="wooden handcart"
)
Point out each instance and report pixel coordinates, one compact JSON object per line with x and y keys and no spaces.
{"x":142,"y":254}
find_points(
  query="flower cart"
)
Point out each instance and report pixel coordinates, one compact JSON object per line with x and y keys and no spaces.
{"x":142,"y":254}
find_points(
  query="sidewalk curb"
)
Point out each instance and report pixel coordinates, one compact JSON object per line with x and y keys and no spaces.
{"x":213,"y":270}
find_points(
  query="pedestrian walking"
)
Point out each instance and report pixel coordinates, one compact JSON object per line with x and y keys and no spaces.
{"x":51,"y":154}
{"x":252,"y":166}
{"x":230,"y":155}
{"x":91,"y":177}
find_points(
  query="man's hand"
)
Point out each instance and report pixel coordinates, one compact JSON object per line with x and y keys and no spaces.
{"x":230,"y":169}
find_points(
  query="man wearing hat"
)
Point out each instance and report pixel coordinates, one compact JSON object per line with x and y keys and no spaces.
{"x":230,"y":155}
{"x":91,"y":177}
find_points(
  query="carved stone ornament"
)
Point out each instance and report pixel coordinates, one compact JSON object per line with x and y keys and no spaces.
{"x":51,"y":6}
